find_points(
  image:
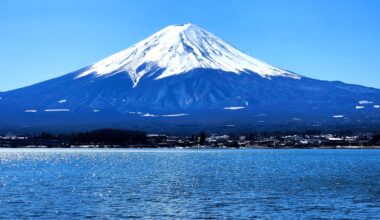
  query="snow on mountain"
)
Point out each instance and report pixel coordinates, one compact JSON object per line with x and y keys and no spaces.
{"x":178,"y":49}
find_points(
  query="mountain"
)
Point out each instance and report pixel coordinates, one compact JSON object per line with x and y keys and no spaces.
{"x":184,"y":78}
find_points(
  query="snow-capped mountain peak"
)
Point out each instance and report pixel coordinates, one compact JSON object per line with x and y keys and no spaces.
{"x":178,"y":49}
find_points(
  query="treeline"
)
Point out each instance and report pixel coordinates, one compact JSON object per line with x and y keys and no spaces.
{"x":96,"y":137}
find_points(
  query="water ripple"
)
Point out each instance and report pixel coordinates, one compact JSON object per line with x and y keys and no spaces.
{"x":189,"y":184}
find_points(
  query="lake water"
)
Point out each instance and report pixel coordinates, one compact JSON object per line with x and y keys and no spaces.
{"x":189,"y":184}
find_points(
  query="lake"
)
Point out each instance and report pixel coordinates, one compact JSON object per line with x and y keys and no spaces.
{"x":189,"y":184}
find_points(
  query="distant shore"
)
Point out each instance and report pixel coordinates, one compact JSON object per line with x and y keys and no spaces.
{"x":194,"y":148}
{"x":114,"y":138}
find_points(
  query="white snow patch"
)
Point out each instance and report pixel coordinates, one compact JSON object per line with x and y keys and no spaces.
{"x":137,"y":113}
{"x":31,"y":111}
{"x":365,"y":102}
{"x":178,"y":49}
{"x":175,"y":115}
{"x":359,"y":107}
{"x":57,"y":110}
{"x":149,"y":115}
{"x":96,"y":110}
{"x":234,"y":108}
{"x":155,"y":115}
{"x":338,"y":116}
{"x":376,"y":106}
{"x":62,"y":101}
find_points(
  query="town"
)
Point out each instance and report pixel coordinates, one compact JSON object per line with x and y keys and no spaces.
{"x":111,"y":138}
{"x":286,"y":141}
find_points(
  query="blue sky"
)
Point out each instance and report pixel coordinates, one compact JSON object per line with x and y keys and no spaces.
{"x":324,"y":39}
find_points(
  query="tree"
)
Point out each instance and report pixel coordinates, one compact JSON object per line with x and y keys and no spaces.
{"x":375,"y":139}
{"x":202,"y":138}
{"x":46,"y":136}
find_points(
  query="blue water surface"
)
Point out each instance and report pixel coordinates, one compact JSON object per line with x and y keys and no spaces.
{"x":189,"y":184}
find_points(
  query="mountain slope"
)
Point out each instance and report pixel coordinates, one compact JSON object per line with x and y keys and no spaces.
{"x":185,"y":78}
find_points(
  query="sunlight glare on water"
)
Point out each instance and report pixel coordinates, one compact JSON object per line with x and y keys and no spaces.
{"x":189,"y":184}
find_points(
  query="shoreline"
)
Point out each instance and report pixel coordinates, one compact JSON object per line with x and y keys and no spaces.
{"x":205,"y":148}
